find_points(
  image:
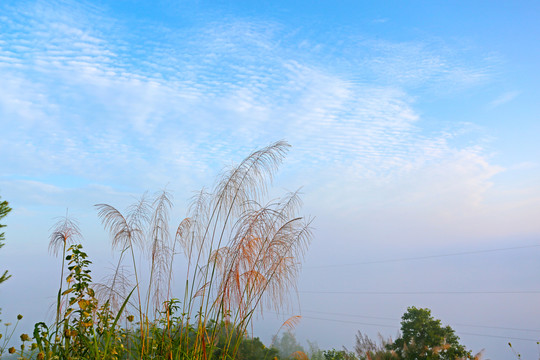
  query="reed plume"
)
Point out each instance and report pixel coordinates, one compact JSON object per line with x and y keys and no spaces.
{"x":242,"y":257}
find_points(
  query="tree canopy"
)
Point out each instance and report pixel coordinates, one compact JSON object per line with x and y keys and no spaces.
{"x":4,"y":210}
{"x":424,"y":338}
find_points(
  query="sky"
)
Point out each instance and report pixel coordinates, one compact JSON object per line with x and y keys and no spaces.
{"x":414,"y":130}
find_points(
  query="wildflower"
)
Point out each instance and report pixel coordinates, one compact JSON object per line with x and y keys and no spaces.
{"x":11,"y":350}
{"x":130,"y":318}
{"x":25,"y":337}
{"x":34,"y":346}
{"x":86,"y":323}
{"x":19,"y":317}
{"x":40,"y":356}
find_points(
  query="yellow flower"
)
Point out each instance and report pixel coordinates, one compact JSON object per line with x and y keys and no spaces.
{"x":11,"y":350}
{"x":25,"y":337}
{"x":87,"y":324}
{"x":40,"y":356}
{"x":83,"y":304}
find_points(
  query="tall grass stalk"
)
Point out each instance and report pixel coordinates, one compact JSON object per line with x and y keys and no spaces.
{"x":242,"y":256}
{"x":65,"y":232}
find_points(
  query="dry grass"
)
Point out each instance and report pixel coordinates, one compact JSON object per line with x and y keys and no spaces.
{"x":242,"y":255}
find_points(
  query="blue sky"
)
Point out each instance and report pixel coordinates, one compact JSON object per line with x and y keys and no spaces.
{"x":414,"y":128}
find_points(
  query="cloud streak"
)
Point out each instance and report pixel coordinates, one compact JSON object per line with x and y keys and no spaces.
{"x":84,"y":98}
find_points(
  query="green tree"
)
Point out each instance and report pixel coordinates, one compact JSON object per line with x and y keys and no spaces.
{"x":254,"y":349}
{"x":287,"y":345}
{"x":4,"y":210}
{"x":424,"y":338}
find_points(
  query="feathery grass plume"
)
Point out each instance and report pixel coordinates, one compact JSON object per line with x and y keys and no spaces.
{"x":181,"y":237}
{"x":64,"y":232}
{"x":160,"y":248}
{"x":114,"y":288}
{"x":233,"y":191}
{"x":479,"y":355}
{"x":290,"y":323}
{"x":127,"y":232}
{"x":241,"y":257}
{"x":253,"y":250}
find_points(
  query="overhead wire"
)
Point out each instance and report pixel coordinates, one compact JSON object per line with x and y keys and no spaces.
{"x":472,"y":252}
{"x":397,"y":327}
{"x":395,"y":319}
{"x":420,"y":292}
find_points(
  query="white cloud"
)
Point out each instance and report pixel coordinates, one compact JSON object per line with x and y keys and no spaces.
{"x":95,"y":103}
{"x":503,"y":99}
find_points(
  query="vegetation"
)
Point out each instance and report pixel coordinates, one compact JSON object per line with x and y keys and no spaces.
{"x":242,"y":256}
{"x":4,"y":210}
{"x":287,"y":346}
{"x":368,"y":349}
{"x":339,"y":355}
{"x":423,"y":337}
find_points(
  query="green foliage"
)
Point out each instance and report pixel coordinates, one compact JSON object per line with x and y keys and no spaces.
{"x":8,"y":333}
{"x":241,"y":257}
{"x":254,"y":349}
{"x":86,"y":329}
{"x":339,"y":355}
{"x":4,"y":210}
{"x":287,"y":345}
{"x":314,"y":352}
{"x":367,"y":348}
{"x":424,"y":338}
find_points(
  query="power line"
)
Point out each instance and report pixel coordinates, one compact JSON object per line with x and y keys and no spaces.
{"x":344,"y":314}
{"x":394,"y":319}
{"x":421,"y":257}
{"x":396,"y":327}
{"x":350,"y":322}
{"x":419,"y":292}
{"x":499,"y":336}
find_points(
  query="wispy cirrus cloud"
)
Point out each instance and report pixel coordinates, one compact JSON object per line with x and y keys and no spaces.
{"x":87,"y":98}
{"x":503,"y":99}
